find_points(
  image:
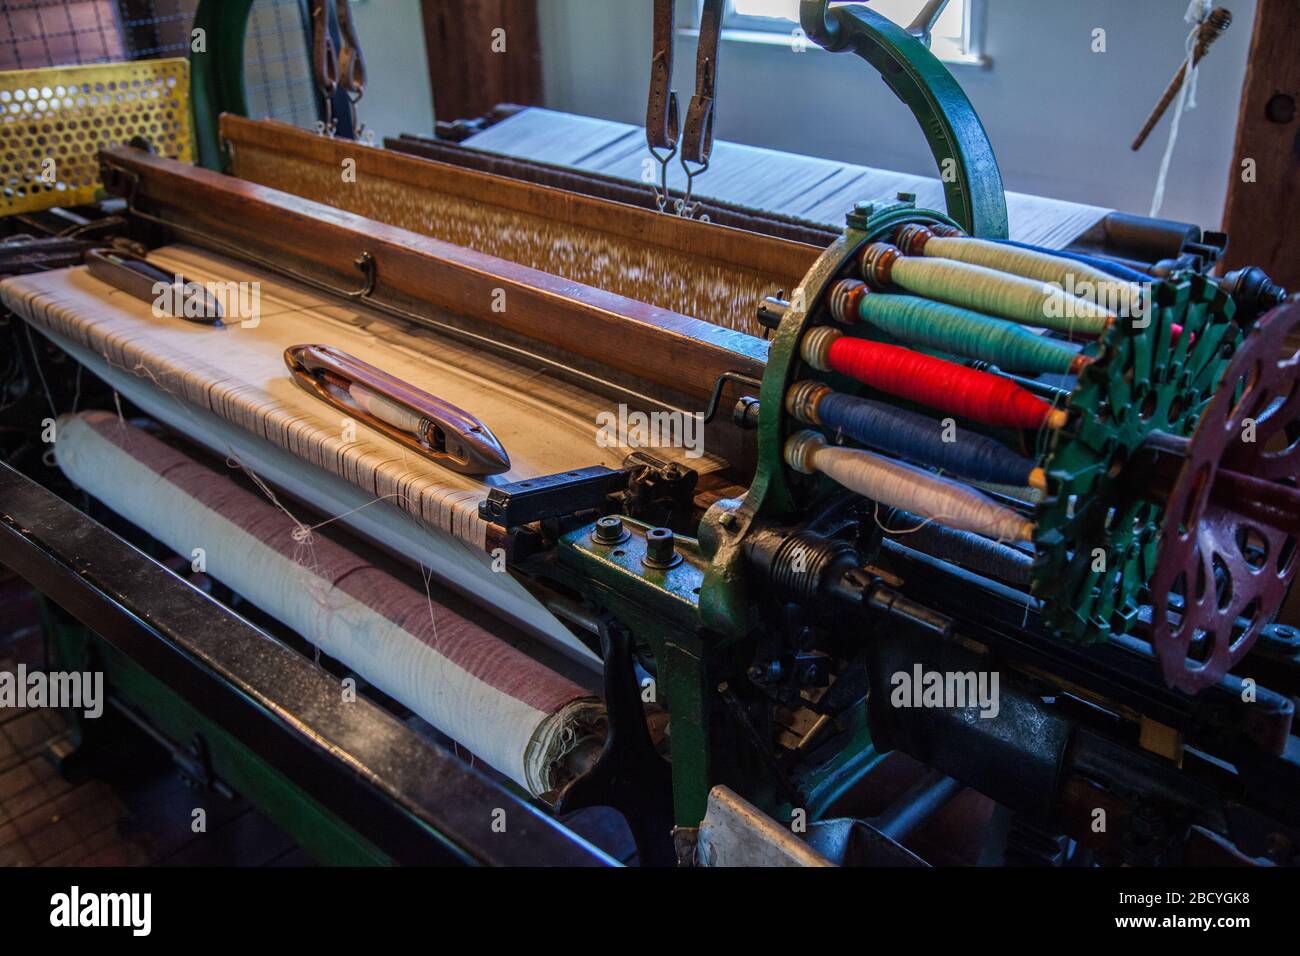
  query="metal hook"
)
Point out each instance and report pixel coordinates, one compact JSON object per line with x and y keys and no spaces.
{"x":661,"y":190}
{"x":365,"y":264}
{"x":684,"y":206}
{"x":712,"y":408}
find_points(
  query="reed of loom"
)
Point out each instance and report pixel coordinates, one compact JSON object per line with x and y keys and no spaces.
{"x":1214,"y":26}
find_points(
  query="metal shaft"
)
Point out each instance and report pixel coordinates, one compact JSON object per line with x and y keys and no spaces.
{"x":1267,"y":502}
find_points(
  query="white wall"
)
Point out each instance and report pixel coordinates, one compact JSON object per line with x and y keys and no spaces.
{"x":1060,"y":117}
{"x":397,"y":96}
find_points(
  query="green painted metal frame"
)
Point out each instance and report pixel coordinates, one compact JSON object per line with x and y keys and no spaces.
{"x":325,"y":837}
{"x":968,"y":168}
{"x":217,"y":73}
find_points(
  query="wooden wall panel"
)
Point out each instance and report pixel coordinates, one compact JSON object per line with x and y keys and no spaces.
{"x":467,"y":75}
{"x":1262,"y":218}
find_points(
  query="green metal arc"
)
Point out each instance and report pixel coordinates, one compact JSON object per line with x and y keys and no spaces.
{"x":776,"y":493}
{"x":968,"y":169}
{"x":217,"y":73}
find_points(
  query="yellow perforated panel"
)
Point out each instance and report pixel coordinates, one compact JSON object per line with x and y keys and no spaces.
{"x":53,"y":123}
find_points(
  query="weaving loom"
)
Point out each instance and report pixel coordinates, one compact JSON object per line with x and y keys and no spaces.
{"x":749,"y":469}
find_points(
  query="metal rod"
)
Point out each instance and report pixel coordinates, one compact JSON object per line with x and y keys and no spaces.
{"x":922,"y":801}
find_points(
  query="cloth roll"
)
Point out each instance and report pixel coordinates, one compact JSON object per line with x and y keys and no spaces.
{"x":519,"y":716}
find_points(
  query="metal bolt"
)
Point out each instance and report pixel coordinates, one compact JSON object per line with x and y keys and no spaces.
{"x":609,"y":530}
{"x":659,"y":550}
{"x":765,"y":672}
{"x":745,"y":414}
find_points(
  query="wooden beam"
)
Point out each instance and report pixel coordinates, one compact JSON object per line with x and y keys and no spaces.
{"x":481,"y":53}
{"x":1262,"y":218}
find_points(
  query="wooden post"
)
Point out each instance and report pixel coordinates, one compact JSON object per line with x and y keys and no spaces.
{"x":481,"y":53}
{"x":1262,"y":217}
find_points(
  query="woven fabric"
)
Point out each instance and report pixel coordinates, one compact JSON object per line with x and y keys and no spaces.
{"x":504,"y":706}
{"x":238,"y":373}
{"x":188,"y":374}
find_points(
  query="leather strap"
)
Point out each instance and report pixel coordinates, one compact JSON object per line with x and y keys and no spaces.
{"x":661,"y":124}
{"x":351,"y":65}
{"x":325,"y":61}
{"x":697,"y":141}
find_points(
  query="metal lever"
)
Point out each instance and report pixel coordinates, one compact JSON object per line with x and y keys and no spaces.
{"x":926,"y":18}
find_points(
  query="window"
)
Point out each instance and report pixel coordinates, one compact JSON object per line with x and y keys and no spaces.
{"x":952,"y":39}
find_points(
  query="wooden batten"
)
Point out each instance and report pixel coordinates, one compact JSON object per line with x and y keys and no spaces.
{"x":651,"y":344}
{"x":779,"y":260}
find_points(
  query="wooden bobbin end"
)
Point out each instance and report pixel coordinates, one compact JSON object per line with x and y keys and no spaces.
{"x":815,"y":347}
{"x":912,"y":237}
{"x":799,"y":449}
{"x":845,"y":300}
{"x":803,"y":399}
{"x":877,"y":263}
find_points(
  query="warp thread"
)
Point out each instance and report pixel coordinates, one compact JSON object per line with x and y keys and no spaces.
{"x":1116,"y":269}
{"x":969,"y":550}
{"x":958,"y":331}
{"x":1027,"y":301}
{"x":1071,"y":275}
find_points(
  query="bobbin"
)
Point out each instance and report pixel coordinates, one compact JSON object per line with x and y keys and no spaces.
{"x":876,"y":262}
{"x":802,"y":400}
{"x":845,"y":298}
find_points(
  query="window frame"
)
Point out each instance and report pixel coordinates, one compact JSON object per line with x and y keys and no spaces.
{"x":777,"y":31}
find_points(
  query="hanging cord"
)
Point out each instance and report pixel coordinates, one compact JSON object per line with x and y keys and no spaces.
{"x":1198,"y":11}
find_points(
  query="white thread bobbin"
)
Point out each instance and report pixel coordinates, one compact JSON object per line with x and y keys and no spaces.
{"x":815,"y":347}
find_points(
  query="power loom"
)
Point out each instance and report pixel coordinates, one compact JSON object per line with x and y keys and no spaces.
{"x":368,"y":475}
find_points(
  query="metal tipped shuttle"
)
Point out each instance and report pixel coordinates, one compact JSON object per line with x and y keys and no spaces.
{"x":436,"y":429}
